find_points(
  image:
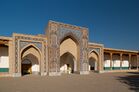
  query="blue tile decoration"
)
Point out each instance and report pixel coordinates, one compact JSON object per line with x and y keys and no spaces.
{"x":95,"y":49}
{"x":25,"y":43}
{"x":21,"y":42}
{"x":64,"y":31}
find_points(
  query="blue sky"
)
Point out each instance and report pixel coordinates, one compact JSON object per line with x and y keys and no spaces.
{"x":114,"y":23}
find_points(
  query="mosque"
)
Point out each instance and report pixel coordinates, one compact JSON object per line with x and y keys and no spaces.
{"x":64,"y":49}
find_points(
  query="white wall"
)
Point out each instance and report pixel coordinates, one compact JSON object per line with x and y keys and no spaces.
{"x":116,"y":60}
{"x":107,"y":63}
{"x":4,"y":58}
{"x":106,"y":60}
{"x":125,"y":63}
{"x":35,"y":68}
{"x":4,"y":62}
{"x":116,"y":63}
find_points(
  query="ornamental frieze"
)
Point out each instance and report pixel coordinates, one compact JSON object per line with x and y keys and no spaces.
{"x":64,"y":31}
{"x":25,"y":43}
{"x":95,"y":49}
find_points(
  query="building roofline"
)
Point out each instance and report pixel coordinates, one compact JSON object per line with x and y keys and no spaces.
{"x":91,"y":43}
{"x":5,"y":38}
{"x":29,"y":35}
{"x":69,"y":24}
{"x":134,"y":51}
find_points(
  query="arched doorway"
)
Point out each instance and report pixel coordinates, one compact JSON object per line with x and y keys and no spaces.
{"x":92,"y":64}
{"x":26,"y":67}
{"x":67,"y":63}
{"x":93,"y":61}
{"x":30,"y":61}
{"x":69,"y":55}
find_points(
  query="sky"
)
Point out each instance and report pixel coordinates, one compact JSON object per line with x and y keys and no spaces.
{"x":114,"y":23}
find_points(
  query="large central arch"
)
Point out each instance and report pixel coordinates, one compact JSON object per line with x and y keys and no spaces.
{"x":69,"y":55}
{"x":30,"y":60}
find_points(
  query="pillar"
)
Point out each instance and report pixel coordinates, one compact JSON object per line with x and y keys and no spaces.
{"x":137,"y":61}
{"x":129,"y":61}
{"x":53,"y":49}
{"x":84,"y":50}
{"x":10,"y":58}
{"x":111,"y":60}
{"x":121,"y":60}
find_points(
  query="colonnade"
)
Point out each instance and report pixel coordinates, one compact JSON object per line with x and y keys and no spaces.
{"x":133,"y":59}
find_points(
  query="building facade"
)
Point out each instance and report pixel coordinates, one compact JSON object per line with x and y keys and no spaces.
{"x":64,"y":48}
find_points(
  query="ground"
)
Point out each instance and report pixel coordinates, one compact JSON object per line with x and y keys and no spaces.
{"x":94,"y":82}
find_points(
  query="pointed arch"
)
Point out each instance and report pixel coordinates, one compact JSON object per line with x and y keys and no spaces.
{"x":72,"y":36}
{"x":93,"y":60}
{"x":30,"y":45}
{"x":70,"y":44}
{"x":68,"y":63}
{"x":94,"y":52}
{"x":33,"y":54}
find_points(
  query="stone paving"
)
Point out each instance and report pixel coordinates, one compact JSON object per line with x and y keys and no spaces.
{"x":94,"y":82}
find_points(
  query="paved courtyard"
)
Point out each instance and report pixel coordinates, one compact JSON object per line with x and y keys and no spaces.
{"x":105,"y":82}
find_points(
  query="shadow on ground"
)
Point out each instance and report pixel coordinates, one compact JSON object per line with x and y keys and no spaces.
{"x":132,"y":80}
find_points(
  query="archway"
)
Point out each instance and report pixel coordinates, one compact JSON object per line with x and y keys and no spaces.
{"x":69,"y":55}
{"x":30,"y":61}
{"x":67,"y":63}
{"x":92,"y":64}
{"x":26,"y":67}
{"x":93,"y":61}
